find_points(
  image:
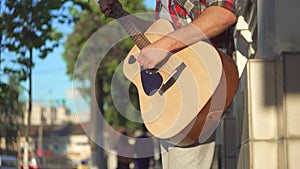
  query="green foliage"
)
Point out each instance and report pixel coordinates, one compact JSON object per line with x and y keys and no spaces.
{"x":11,"y":110}
{"x":11,"y":101}
{"x":29,"y":24}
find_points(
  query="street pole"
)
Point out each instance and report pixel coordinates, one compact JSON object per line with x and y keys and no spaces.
{"x":40,"y":132}
{"x":96,"y":122}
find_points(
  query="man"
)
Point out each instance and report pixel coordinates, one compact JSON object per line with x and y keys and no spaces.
{"x":196,"y":20}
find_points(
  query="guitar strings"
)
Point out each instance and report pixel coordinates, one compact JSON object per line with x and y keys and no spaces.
{"x":140,"y":40}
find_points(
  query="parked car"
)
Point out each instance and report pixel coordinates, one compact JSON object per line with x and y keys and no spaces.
{"x":8,"y":162}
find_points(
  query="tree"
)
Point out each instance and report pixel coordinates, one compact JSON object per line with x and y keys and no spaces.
{"x":27,"y":30}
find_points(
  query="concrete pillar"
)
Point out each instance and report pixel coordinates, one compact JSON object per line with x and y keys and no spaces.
{"x":269,"y":113}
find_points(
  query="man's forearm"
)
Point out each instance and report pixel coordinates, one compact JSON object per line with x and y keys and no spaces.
{"x":213,"y":21}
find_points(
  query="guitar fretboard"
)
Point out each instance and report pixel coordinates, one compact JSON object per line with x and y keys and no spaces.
{"x":133,"y":31}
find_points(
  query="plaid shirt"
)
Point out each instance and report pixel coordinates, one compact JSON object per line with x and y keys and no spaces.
{"x":181,"y":11}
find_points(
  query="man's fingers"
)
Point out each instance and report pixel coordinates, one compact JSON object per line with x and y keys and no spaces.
{"x":106,"y":6}
{"x":151,"y":66}
{"x":103,"y":6}
{"x":142,"y":60}
{"x":107,"y":13}
{"x":145,"y":63}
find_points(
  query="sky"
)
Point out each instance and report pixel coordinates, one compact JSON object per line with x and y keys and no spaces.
{"x":50,"y":82}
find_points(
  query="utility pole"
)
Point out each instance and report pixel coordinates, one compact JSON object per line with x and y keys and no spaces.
{"x":40,"y":132}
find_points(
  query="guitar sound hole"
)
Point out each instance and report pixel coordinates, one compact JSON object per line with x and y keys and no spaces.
{"x":151,"y":82}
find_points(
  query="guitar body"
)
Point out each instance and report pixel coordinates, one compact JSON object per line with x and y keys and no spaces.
{"x":188,"y":88}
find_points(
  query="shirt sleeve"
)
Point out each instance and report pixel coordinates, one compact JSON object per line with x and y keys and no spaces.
{"x":227,"y":4}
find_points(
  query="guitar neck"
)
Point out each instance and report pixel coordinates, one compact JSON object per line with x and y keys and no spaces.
{"x":128,"y":25}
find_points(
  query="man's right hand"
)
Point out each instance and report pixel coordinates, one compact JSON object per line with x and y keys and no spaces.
{"x":111,"y":8}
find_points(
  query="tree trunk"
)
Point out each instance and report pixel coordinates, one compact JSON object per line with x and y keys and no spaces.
{"x":26,"y":147}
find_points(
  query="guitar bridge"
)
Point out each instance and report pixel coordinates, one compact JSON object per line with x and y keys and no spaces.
{"x":172,"y":78}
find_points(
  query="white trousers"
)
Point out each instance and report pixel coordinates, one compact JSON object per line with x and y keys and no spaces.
{"x":197,"y":157}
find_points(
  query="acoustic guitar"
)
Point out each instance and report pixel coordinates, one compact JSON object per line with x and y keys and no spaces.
{"x":181,"y":101}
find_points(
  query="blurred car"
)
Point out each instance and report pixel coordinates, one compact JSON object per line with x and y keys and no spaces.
{"x":8,"y":162}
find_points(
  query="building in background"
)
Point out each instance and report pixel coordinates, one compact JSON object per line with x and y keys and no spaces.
{"x":46,"y":115}
{"x":57,"y":133}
